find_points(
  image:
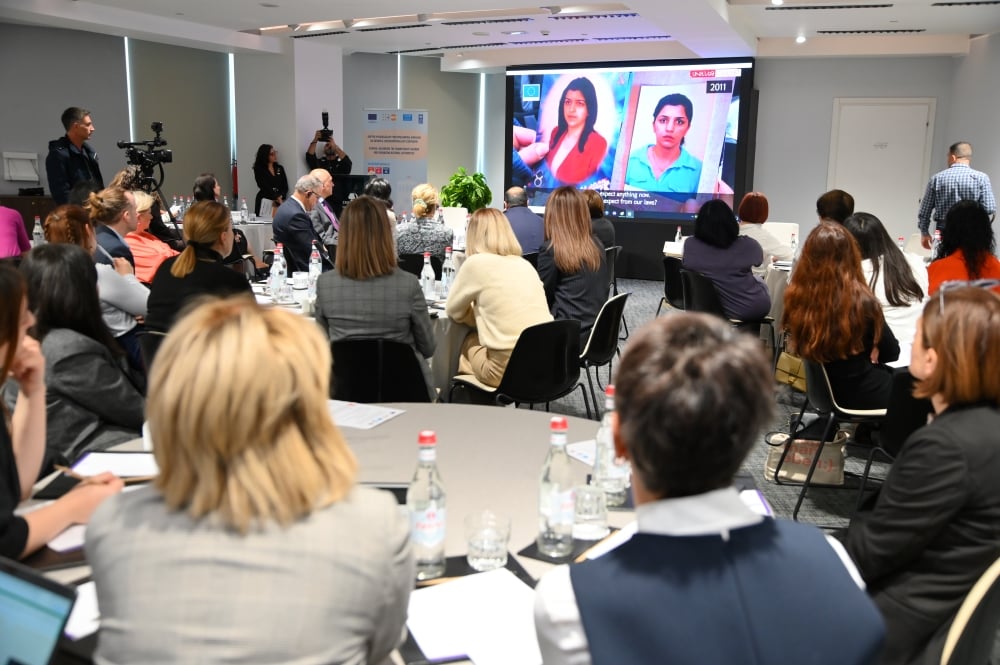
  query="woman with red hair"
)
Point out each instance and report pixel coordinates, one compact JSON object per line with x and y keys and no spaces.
{"x":835,"y":319}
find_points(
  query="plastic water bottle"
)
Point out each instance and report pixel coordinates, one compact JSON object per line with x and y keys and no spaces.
{"x":901,"y":242}
{"x":244,"y":211}
{"x":936,"y":245}
{"x":794,"y":244}
{"x":425,"y":501}
{"x":678,"y":237}
{"x":278,"y":277}
{"x":427,"y":278}
{"x":608,"y":474}
{"x":555,"y":496}
{"x":173,"y":204}
{"x":447,"y":273}
{"x":225,"y":201}
{"x":37,"y":233}
{"x":315,"y":269}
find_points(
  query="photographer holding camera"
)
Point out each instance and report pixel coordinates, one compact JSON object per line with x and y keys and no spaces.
{"x":334,"y":159}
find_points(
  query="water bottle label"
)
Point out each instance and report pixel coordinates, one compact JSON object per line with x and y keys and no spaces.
{"x":427,"y":526}
{"x":557,"y":508}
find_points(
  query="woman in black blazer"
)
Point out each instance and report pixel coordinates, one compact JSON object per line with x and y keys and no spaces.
{"x":270,"y":176}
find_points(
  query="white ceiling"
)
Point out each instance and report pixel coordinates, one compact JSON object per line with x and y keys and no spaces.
{"x":478,"y":34}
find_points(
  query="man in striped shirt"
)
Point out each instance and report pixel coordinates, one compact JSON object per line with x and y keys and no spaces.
{"x":958,"y":182}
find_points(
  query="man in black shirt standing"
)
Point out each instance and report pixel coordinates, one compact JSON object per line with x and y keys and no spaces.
{"x":71,"y":162}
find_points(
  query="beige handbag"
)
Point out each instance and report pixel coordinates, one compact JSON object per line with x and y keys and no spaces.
{"x":829,"y":469}
{"x":790,"y":371}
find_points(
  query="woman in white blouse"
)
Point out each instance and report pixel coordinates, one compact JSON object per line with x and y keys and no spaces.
{"x":752,"y":212}
{"x":898,"y":279}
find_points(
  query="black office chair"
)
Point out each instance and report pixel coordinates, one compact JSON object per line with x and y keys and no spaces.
{"x":602,"y":345}
{"x":544,"y":366}
{"x":532,"y":258}
{"x":820,"y":398}
{"x":149,"y":344}
{"x":414,"y":263}
{"x":611,"y":255}
{"x":974,"y":628}
{"x":700,"y":296}
{"x":377,"y":370}
{"x":673,"y":287}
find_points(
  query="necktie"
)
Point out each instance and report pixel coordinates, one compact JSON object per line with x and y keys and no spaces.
{"x":333,"y":218}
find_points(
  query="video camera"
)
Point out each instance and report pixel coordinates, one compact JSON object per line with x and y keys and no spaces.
{"x":326,"y":134}
{"x":147,"y":154}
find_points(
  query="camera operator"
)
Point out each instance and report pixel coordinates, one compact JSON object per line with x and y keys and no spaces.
{"x":334,"y":159}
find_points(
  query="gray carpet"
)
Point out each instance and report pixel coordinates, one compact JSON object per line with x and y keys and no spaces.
{"x":822,"y":506}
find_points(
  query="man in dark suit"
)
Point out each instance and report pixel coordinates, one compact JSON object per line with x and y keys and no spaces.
{"x":527,"y":226}
{"x":293,"y":228}
{"x":324,"y":220}
{"x":111,"y":237}
{"x":71,"y":162}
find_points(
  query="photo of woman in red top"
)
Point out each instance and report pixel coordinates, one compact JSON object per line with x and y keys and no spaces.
{"x":576,"y":150}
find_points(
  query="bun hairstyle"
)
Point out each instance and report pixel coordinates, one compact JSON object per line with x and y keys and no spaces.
{"x":425,"y":200}
{"x":107,"y":205}
{"x":68,"y":224}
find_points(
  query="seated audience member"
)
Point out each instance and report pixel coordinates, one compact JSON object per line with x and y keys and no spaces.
{"x":147,"y":250}
{"x":131,"y":178}
{"x":600,"y":225}
{"x":368,"y":296}
{"x":705,"y":579}
{"x":424,"y":233}
{"x":294,"y":229}
{"x":113,"y":213}
{"x":206,"y":188}
{"x":752,"y":212}
{"x":254,"y":544}
{"x":933,"y":529}
{"x":528,"y":227}
{"x":13,"y":234}
{"x":572,"y":263}
{"x":380,"y":190}
{"x":967,"y":247}
{"x":834,"y":206}
{"x":93,"y":399}
{"x":22,"y":435}
{"x":834,"y":318}
{"x":123,"y":298}
{"x":496,"y":292}
{"x":720,"y":253}
{"x":898,"y":279}
{"x":324,"y":220}
{"x":197,"y":271}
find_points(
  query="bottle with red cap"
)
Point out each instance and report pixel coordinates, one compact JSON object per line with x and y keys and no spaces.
{"x":555,"y":495}
{"x":425,"y":501}
{"x":609,"y":475}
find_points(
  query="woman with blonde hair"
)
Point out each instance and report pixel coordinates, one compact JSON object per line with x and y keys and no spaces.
{"x":22,"y":435}
{"x":147,"y":250}
{"x":112,"y":211}
{"x":368,"y":296}
{"x":198,"y":270}
{"x":572,"y":263}
{"x":497,"y":293}
{"x":254,"y":544}
{"x":123,"y":298}
{"x":932,"y":530}
{"x":424,"y":233}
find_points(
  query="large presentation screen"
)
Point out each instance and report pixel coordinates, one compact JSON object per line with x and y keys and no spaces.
{"x":657,"y":139}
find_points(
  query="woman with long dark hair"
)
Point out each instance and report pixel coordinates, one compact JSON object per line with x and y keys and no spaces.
{"x":93,"y":399}
{"x":272,"y":183}
{"x":22,"y":434}
{"x":897,"y":279}
{"x":834,"y":319}
{"x":967,"y":247}
{"x":576,"y":150}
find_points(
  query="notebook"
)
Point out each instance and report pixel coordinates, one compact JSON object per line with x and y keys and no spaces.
{"x":33,"y":612}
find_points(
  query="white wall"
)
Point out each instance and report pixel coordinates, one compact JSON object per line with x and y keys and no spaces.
{"x":319,"y":84}
{"x":46,"y":70}
{"x":977,"y":101}
{"x":369,"y":82}
{"x":795,"y":115}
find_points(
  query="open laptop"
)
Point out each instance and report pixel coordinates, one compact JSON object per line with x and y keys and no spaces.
{"x":33,"y":613}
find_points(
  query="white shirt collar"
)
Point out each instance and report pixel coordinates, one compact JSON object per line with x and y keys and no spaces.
{"x":716,"y":512}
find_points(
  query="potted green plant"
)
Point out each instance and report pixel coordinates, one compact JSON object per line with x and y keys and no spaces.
{"x":466,"y":190}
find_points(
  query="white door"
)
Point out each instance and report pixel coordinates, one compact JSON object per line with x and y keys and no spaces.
{"x":880,"y":153}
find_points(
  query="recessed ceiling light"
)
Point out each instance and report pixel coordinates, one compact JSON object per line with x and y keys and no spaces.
{"x":777,"y":2}
{"x":801,"y":39}
{"x":480,"y":33}
{"x":514,"y":32}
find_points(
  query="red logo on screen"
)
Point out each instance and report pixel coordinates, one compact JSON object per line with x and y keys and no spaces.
{"x":702,"y":73}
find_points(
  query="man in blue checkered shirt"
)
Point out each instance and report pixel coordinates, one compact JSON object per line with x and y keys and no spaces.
{"x":958,"y":182}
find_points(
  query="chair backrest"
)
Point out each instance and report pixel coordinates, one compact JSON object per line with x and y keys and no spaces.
{"x":673,"y":287}
{"x":545,"y":363}
{"x":532,"y":258}
{"x":820,"y":392}
{"x":603,"y":340}
{"x":972,"y":633}
{"x":414,"y":263}
{"x":611,"y":258}
{"x":700,"y":294}
{"x":377,"y":370}
{"x":149,"y":344}
{"x":782,"y":231}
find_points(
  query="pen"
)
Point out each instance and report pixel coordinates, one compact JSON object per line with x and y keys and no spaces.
{"x":132,"y":480}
